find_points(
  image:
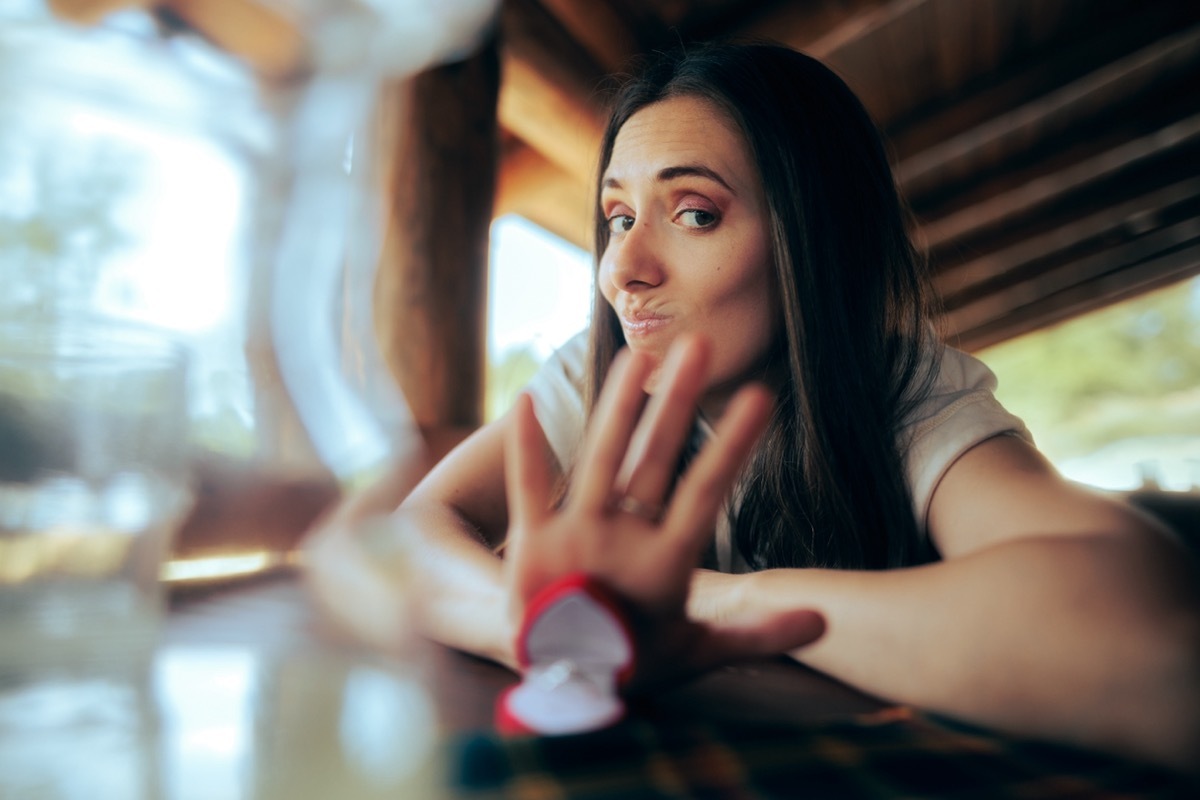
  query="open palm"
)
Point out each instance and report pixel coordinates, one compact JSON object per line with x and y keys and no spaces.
{"x":611,"y":526}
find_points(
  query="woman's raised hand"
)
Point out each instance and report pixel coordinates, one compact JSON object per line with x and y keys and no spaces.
{"x":622,"y":524}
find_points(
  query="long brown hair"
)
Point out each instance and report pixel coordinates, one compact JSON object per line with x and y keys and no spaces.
{"x":826,"y":485}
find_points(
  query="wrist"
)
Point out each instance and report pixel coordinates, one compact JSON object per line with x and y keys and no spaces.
{"x":718,"y":596}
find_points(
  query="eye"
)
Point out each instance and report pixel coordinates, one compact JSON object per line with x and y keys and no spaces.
{"x":620,"y":223}
{"x":697,"y":218}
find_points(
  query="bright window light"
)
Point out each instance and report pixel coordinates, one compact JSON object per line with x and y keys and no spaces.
{"x":540,"y":296}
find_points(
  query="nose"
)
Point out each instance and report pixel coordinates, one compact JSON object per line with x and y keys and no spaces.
{"x":634,"y":259}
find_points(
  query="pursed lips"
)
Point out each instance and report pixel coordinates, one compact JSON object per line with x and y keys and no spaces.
{"x":641,"y":323}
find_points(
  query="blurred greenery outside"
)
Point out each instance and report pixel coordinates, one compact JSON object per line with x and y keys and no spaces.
{"x":507,"y":376}
{"x":1124,"y":379}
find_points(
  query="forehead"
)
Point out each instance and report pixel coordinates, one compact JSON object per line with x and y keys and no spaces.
{"x":677,"y":131}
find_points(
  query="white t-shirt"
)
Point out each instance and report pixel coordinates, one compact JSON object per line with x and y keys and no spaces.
{"x":960,"y":412}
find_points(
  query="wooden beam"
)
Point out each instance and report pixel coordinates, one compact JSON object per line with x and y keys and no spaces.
{"x":599,"y":29}
{"x":431,"y":286}
{"x":549,"y":98}
{"x":1172,"y":249}
{"x":1034,"y":69}
{"x":1108,"y":223}
{"x":1016,"y":130}
{"x":1023,"y":199}
{"x":858,"y":46}
{"x":821,"y":29}
{"x":1155,"y":273}
{"x":546,"y":195}
{"x":555,"y":63}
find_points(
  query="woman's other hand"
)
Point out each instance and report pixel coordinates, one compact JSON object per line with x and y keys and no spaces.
{"x":617,"y":526}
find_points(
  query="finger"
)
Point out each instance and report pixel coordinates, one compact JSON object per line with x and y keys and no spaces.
{"x":529,"y":479}
{"x":658,"y":440}
{"x":770,"y":635}
{"x":709,"y":479}
{"x":612,"y":423}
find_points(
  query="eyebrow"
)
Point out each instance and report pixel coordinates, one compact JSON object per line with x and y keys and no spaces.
{"x":673,"y":173}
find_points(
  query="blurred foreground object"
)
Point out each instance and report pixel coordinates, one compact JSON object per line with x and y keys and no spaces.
{"x":87,"y":516}
{"x":201,"y":167}
{"x":198,"y":170}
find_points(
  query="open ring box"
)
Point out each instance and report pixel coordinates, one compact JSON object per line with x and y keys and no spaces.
{"x":576,"y":648}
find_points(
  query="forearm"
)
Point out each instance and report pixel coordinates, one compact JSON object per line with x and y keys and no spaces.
{"x":455,"y":578}
{"x":380,"y":577}
{"x":1088,"y":639}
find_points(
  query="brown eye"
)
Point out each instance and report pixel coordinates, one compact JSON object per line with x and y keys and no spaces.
{"x":620,"y":223}
{"x":697,"y":218}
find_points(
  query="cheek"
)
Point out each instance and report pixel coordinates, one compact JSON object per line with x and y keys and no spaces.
{"x":753,"y":319}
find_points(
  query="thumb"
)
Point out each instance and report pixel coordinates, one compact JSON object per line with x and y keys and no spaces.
{"x":758,"y":637}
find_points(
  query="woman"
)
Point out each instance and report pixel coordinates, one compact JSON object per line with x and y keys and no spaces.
{"x":749,"y":234}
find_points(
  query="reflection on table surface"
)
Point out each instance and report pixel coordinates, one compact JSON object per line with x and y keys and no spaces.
{"x":252,"y":696}
{"x":243,"y":698}
{"x":276,"y":616}
{"x":239,"y":724}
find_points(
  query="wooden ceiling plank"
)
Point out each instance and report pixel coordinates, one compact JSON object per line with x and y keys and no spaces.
{"x":991,"y":33}
{"x":803,"y":25}
{"x":953,"y":21}
{"x":958,"y":225}
{"x":1033,"y":68}
{"x":550,"y":103}
{"x":853,"y":48}
{"x":598,"y":29}
{"x":550,"y":118}
{"x":953,"y":25}
{"x":1159,"y":244}
{"x":549,"y":94}
{"x":1135,"y":212}
{"x":1010,"y":132}
{"x":925,"y":42}
{"x":895,"y":48}
{"x":859,"y":21}
{"x":546,"y":195}
{"x":1045,"y":18}
{"x":1124,"y":284}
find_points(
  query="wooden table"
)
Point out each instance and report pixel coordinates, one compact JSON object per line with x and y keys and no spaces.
{"x":276,"y":615}
{"x":764,"y":729}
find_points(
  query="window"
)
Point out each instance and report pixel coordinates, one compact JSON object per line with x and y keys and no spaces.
{"x":1113,"y":397}
{"x":540,"y":296}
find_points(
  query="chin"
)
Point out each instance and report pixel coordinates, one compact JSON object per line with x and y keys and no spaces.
{"x":652,"y":380}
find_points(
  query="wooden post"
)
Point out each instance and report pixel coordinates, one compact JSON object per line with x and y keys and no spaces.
{"x":440,"y":130}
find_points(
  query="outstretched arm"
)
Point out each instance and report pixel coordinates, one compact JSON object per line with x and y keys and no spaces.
{"x":391,"y":547}
{"x":1057,"y":612}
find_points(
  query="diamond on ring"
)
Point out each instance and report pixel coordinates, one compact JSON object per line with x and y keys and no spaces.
{"x":631,"y":505}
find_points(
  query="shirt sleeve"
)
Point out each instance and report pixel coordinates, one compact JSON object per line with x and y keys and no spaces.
{"x":557,"y":392}
{"x":960,"y":412}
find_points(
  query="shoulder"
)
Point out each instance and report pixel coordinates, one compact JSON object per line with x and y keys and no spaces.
{"x":959,"y":411}
{"x":1004,"y":489}
{"x":557,"y":392}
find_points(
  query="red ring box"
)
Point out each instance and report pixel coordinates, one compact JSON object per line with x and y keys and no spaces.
{"x":576,"y":649}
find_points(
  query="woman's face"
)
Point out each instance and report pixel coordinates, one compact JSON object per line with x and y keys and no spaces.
{"x":688,"y":248}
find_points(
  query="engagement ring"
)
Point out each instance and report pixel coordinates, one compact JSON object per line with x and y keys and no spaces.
{"x":631,"y":505}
